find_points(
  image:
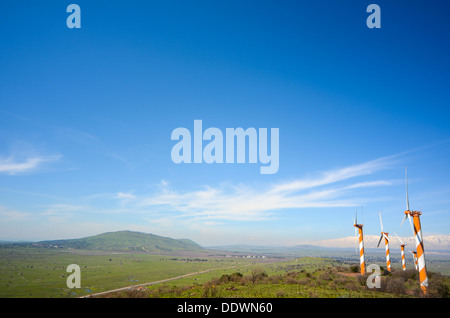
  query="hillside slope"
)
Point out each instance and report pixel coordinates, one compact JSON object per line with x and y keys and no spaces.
{"x":126,"y":241}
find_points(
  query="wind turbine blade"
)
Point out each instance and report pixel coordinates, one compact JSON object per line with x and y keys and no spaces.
{"x":407,"y":197}
{"x":412,"y":226}
{"x":356,"y":216}
{"x":403,"y":220}
{"x":380,"y":240}
{"x":399,"y":238}
{"x":381,"y":222}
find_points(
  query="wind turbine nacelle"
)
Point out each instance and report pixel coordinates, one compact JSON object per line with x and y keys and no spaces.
{"x":413,"y":213}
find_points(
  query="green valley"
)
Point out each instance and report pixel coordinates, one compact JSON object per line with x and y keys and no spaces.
{"x":147,"y":265}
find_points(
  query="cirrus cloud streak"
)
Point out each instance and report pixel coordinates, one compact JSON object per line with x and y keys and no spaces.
{"x":250,"y":203}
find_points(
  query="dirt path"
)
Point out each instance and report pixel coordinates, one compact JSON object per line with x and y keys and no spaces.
{"x":152,"y":283}
{"x":349,"y":274}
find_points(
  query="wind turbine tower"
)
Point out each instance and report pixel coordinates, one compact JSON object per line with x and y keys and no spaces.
{"x":415,"y":259}
{"x":417,"y":231}
{"x":402,"y":249}
{"x":359,"y":233}
{"x":386,"y":244}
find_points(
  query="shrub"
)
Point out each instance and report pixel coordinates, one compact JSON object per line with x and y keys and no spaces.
{"x":292,"y":274}
{"x":215,"y":281}
{"x":325,"y":276}
{"x":395,"y":285}
{"x":354,"y":269}
{"x":224,"y":278}
{"x":351,"y":285}
{"x":332,"y":285}
{"x":437,"y":286}
{"x":408,"y":274}
{"x":303,"y":281}
{"x":362,"y":279}
{"x":275,"y":279}
{"x":341,"y":280}
{"x":134,"y":293}
{"x":291,"y":280}
{"x":340,"y":268}
{"x":236,"y":277}
{"x":257,"y":275}
{"x":210,"y":290}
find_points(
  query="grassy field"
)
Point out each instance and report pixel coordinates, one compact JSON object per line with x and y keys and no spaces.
{"x":306,"y":277}
{"x":41,"y":272}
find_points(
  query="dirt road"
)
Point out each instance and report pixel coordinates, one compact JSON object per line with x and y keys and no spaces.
{"x":150,"y":283}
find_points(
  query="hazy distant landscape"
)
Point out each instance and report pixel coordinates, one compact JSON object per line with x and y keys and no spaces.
{"x":165,"y":267}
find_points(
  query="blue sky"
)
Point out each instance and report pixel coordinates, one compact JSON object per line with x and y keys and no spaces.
{"x":86,"y":117}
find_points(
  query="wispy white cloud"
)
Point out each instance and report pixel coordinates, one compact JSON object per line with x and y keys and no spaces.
{"x":8,"y":215}
{"x":123,"y":195}
{"x":214,"y":206}
{"x":246,"y":203}
{"x":57,"y":209}
{"x":13,"y":166}
{"x":336,"y":175}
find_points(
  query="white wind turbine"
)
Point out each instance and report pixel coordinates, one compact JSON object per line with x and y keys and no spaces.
{"x":385,"y":235}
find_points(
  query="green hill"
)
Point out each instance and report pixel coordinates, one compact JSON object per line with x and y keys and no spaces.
{"x":125,"y":241}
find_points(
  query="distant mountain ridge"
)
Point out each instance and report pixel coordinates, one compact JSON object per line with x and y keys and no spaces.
{"x":342,"y":247}
{"x":431,"y":242}
{"x":125,"y":241}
